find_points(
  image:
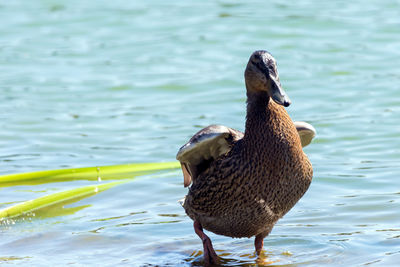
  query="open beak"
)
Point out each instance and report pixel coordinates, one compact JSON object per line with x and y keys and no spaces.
{"x":278,"y":94}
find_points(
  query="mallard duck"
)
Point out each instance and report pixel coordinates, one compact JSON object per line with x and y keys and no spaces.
{"x":243,"y":183}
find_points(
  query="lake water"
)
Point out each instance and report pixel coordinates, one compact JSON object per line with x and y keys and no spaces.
{"x":113,"y":82}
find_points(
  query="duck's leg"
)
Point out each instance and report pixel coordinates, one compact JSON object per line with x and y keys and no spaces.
{"x":259,"y":243}
{"x":210,"y":257}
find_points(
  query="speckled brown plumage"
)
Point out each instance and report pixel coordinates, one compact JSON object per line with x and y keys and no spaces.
{"x":244,"y":192}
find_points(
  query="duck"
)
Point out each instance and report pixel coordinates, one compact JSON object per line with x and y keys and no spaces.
{"x":241,"y":184}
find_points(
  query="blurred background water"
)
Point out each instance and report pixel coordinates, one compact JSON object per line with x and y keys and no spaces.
{"x":112,"y":82}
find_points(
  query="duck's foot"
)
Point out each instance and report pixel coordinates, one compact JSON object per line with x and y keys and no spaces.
{"x":259,"y":243}
{"x":210,"y":257}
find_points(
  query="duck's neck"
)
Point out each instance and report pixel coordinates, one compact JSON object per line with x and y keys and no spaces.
{"x":265,"y":122}
{"x":257,"y":104}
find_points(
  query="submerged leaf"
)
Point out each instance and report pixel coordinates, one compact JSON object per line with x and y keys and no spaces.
{"x":46,"y":202}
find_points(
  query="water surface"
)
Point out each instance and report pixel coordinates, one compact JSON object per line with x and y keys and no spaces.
{"x":102,"y":83}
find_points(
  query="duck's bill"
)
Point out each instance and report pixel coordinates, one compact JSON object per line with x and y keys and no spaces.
{"x":278,"y":94}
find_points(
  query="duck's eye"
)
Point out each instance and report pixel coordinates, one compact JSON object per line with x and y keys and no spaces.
{"x":256,"y":59}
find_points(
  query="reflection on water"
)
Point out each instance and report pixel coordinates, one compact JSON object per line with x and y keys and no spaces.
{"x":116,"y":82}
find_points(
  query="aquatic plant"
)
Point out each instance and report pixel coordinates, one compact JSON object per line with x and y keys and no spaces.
{"x":125,"y":172}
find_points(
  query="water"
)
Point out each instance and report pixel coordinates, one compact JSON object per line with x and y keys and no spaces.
{"x":91,"y":84}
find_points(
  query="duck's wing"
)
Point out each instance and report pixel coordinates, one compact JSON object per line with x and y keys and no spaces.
{"x":216,"y":140}
{"x":204,"y":147}
{"x":306,"y":132}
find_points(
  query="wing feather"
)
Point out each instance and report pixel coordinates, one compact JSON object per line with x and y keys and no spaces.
{"x":204,"y":147}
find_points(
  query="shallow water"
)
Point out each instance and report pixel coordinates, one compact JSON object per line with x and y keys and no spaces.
{"x":91,"y":84}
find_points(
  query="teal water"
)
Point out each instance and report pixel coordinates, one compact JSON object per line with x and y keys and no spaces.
{"x":101,"y":83}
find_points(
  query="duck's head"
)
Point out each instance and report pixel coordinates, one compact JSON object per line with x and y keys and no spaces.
{"x":261,"y":75}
